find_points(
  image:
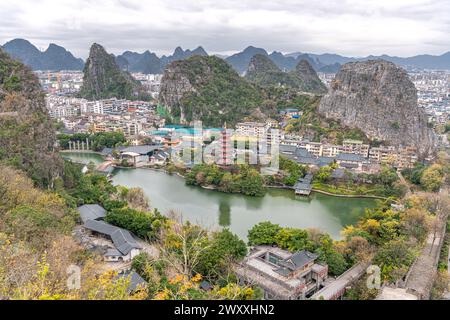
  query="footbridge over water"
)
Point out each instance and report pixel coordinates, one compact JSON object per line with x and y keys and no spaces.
{"x":106,"y":166}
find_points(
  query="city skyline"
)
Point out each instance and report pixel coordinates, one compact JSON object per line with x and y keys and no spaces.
{"x":351,"y":28}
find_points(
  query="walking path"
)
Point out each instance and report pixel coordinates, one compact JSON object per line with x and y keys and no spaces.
{"x":350,"y":195}
{"x":422,"y":273}
{"x":403,"y":181}
{"x":103,"y":166}
{"x":337,"y":288}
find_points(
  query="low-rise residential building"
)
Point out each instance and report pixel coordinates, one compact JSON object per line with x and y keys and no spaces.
{"x":352,"y":154}
{"x":251,"y":129}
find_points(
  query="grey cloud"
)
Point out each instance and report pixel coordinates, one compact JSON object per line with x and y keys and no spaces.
{"x":349,"y":27}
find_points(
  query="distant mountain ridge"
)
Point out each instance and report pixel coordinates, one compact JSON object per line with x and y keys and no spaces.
{"x":54,"y":58}
{"x":148,"y":62}
{"x":240,"y":61}
{"x":58,"y":58}
{"x":423,"y":61}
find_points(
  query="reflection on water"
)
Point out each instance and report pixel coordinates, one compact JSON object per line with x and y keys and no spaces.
{"x":224,"y":213}
{"x":240,"y":213}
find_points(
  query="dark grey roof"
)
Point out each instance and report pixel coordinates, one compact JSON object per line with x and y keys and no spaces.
{"x":296,"y":261}
{"x":124,"y":241}
{"x":349,"y":157}
{"x":145,"y":149}
{"x":135,"y":280}
{"x":91,"y":212}
{"x":100,"y":227}
{"x":307,"y":178}
{"x":324,"y":161}
{"x":302,"y":152}
{"x":306,"y":160}
{"x":285,"y":148}
{"x":302,"y":186}
{"x":300,"y":259}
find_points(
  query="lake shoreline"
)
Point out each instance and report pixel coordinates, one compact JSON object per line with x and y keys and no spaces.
{"x":238,"y":212}
{"x":215,"y":188}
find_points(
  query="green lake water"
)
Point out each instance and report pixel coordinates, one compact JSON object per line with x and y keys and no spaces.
{"x":215,"y":209}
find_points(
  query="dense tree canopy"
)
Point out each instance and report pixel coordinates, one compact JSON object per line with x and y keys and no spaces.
{"x":244,"y":179}
{"x":97,"y":141}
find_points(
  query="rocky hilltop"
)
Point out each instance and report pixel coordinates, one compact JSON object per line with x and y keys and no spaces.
{"x":148,"y":63}
{"x":307,"y":77}
{"x":377,"y":97}
{"x":180,"y":54}
{"x":264,"y":72}
{"x":206,"y":88}
{"x":27,"y":135}
{"x":104,"y":79}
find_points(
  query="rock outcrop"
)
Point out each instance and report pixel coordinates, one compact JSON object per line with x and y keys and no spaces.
{"x":307,"y":77}
{"x":148,"y":63}
{"x":27,"y":134}
{"x":378,"y":97}
{"x":104,"y":79}
{"x":264,"y":72}
{"x":206,"y":89}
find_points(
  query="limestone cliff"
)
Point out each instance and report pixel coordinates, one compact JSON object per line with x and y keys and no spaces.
{"x":263,"y":72}
{"x":378,"y":98}
{"x":27,"y":134}
{"x":308,"y":79}
{"x":206,"y":89}
{"x":104,"y":79}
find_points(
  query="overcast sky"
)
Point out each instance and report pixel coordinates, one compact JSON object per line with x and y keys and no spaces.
{"x":348,"y":27}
